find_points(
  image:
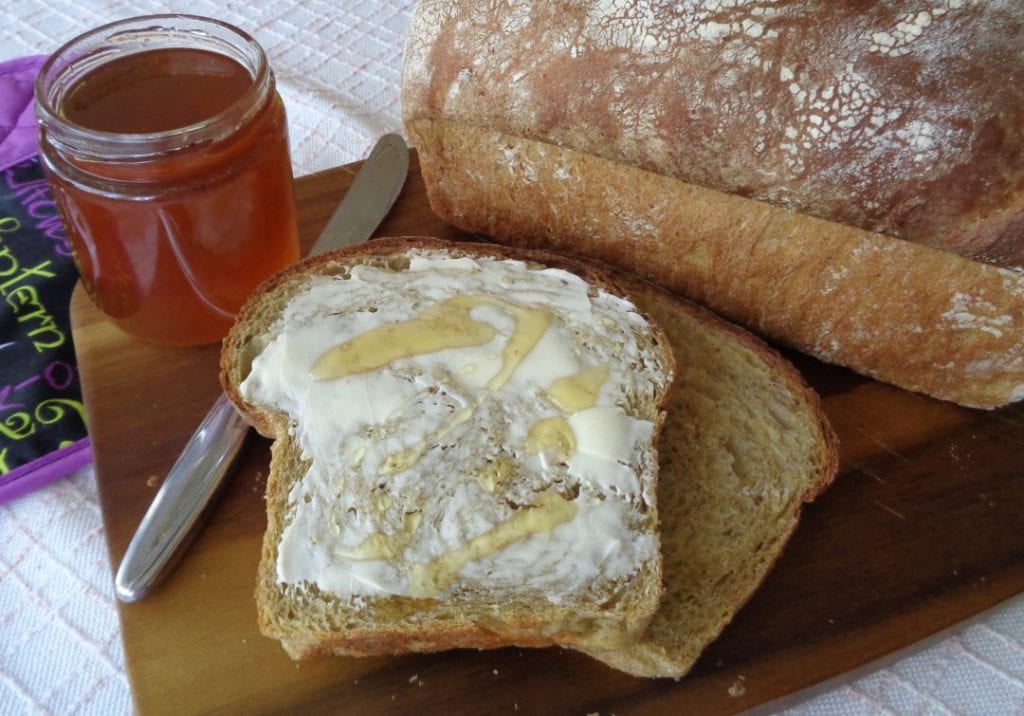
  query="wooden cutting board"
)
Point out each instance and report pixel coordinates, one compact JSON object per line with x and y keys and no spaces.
{"x":921,"y":530}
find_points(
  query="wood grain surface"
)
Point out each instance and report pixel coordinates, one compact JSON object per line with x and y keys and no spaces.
{"x":921,"y":530}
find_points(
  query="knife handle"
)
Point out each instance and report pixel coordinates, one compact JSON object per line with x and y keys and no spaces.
{"x":181,"y":502}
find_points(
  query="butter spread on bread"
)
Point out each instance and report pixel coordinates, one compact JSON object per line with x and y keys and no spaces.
{"x":456,"y":429}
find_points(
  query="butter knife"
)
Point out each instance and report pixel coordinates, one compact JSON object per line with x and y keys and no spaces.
{"x":195,"y":479}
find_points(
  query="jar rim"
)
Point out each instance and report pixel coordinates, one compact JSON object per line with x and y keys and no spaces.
{"x":131,"y":36}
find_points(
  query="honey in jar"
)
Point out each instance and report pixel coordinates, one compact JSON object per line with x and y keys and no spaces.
{"x":166,"y":147}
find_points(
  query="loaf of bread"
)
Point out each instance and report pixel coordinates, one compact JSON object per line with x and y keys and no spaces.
{"x":464,"y":450}
{"x":762,"y":159}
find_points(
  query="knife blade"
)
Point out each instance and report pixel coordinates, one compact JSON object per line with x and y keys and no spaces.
{"x":198,"y":474}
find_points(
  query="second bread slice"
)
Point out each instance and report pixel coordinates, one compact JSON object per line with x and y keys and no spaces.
{"x":744,"y":446}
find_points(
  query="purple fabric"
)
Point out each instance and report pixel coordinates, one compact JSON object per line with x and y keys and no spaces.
{"x":18,"y":129}
{"x":45,"y":470}
{"x":19,"y":144}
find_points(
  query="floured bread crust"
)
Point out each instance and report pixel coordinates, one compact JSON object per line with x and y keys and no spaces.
{"x":895,"y":116}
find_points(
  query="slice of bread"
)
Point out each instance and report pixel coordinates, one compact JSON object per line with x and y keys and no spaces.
{"x":464,"y":450}
{"x":745,"y":444}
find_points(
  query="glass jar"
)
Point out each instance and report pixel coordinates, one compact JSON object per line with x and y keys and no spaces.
{"x":166,"y":147}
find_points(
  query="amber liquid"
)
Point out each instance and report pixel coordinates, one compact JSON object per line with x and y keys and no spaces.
{"x":173,"y":246}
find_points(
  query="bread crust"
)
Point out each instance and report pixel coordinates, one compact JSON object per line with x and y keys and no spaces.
{"x":427,"y":629}
{"x":881,"y":114}
{"x":926,"y":320}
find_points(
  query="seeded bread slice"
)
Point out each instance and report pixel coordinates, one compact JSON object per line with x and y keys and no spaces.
{"x":310,"y":621}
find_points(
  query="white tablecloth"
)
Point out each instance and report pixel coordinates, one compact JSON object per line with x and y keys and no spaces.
{"x":337,"y":66}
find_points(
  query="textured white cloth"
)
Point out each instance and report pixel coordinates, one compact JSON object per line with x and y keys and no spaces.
{"x":337,"y":66}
